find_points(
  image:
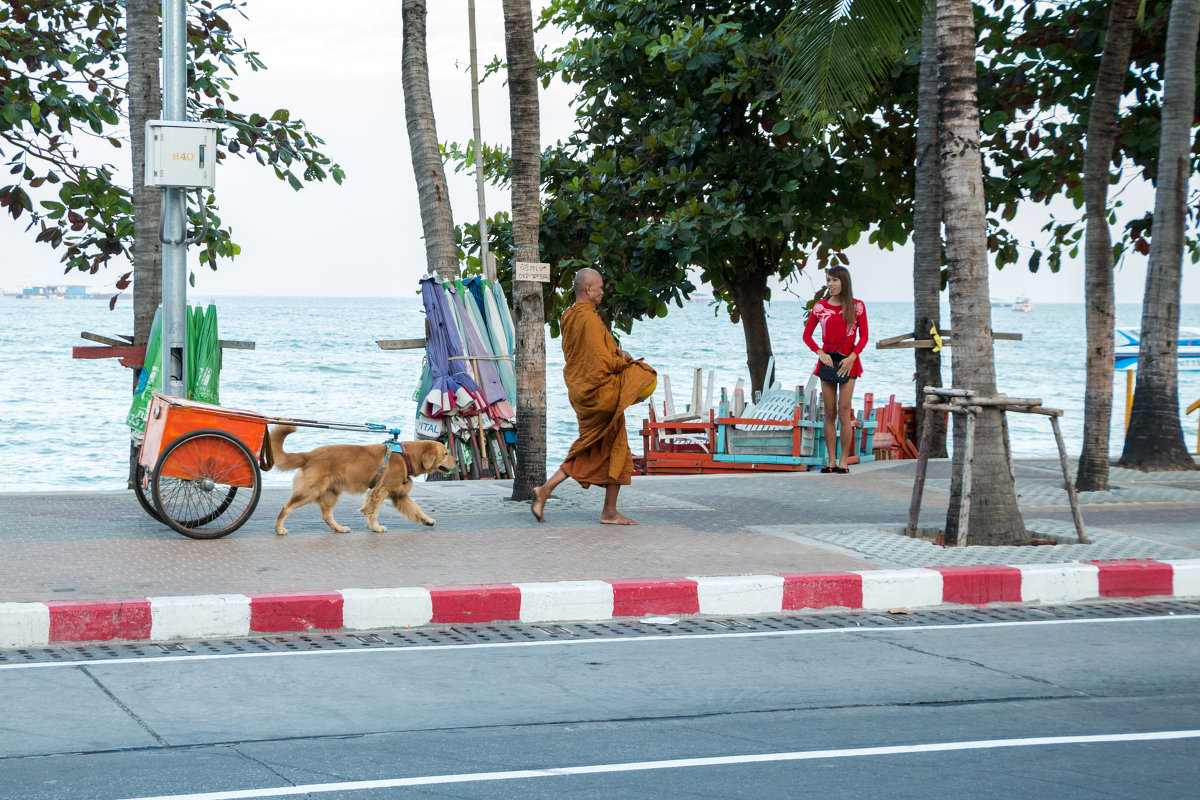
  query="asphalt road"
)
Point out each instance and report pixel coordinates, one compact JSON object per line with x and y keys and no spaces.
{"x":1092,"y":707}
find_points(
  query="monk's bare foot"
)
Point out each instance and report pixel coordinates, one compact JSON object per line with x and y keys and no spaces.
{"x":540,"y":495}
{"x":616,"y":518}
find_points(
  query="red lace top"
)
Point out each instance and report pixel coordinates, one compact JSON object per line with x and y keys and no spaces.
{"x":834,"y":336}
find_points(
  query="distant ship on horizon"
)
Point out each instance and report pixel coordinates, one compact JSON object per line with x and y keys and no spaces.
{"x":60,"y":291}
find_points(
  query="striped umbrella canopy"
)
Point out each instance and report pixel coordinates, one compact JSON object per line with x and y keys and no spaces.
{"x":468,"y":315}
{"x":491,"y":330}
{"x":452,"y":389}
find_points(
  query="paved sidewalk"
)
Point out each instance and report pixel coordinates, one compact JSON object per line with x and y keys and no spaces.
{"x":91,"y":566}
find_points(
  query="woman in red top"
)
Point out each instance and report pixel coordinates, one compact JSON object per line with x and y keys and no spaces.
{"x":843,"y":336}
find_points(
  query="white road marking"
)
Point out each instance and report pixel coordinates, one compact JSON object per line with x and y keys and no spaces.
{"x":677,"y":763}
{"x":425,"y":648}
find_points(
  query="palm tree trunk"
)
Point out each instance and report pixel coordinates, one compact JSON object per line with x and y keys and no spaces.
{"x":145,"y":103}
{"x":995,"y":519}
{"x":1098,"y":255}
{"x":927,"y":230}
{"x":528,"y":306}
{"x":1155,"y":437}
{"x":437,"y":220}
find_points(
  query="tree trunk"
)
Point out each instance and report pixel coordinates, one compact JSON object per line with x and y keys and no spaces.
{"x":1098,"y":289}
{"x":145,"y":103}
{"x":1155,"y":437}
{"x":528,"y":308}
{"x":994,"y":519}
{"x":437,"y":221}
{"x":927,"y":230}
{"x":750,"y":297}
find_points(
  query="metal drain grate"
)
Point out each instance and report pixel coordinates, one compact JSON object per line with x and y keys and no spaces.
{"x":459,"y":634}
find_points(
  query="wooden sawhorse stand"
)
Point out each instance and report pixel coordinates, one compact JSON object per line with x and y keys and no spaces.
{"x":966,"y":401}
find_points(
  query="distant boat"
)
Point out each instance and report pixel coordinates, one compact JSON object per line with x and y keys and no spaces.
{"x":1129,"y":341}
{"x":55,"y":292}
{"x":58,"y":292}
{"x":1023,"y":304}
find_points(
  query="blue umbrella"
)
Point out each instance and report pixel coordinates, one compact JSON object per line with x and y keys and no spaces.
{"x":452,"y":388}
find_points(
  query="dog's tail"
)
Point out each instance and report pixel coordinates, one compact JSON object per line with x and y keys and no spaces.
{"x":286,"y":461}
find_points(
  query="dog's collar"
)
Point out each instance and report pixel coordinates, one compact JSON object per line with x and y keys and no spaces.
{"x":389,"y":448}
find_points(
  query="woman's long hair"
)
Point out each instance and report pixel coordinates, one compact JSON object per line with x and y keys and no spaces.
{"x":847,"y":294}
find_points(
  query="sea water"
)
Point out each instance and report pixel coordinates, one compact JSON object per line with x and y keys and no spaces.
{"x":62,"y":419}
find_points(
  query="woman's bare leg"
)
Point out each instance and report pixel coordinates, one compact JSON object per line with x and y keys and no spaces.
{"x":846,"y":418}
{"x":830,"y":398}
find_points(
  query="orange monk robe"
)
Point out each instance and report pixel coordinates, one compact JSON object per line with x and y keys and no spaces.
{"x":601,"y":385}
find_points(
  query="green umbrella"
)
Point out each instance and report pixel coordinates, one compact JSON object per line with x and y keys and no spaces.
{"x":205,"y":369}
{"x":149,"y":378}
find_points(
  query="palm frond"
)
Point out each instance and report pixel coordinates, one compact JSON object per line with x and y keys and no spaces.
{"x":839,"y":51}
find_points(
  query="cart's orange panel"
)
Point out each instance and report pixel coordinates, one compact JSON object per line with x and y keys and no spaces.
{"x":172,"y":417}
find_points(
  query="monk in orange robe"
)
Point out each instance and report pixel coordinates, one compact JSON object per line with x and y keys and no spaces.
{"x":602,"y":381}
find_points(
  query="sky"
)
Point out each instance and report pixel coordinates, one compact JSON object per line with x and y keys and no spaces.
{"x":340,"y":72}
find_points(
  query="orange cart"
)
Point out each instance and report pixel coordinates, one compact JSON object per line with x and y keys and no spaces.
{"x":198,"y":469}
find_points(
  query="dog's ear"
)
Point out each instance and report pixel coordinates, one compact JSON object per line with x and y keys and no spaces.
{"x":429,"y":456}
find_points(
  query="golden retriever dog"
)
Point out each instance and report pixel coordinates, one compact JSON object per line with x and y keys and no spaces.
{"x":328,"y":471}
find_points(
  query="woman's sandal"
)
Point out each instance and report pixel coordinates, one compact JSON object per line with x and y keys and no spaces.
{"x":826,"y":470}
{"x":842,"y":470}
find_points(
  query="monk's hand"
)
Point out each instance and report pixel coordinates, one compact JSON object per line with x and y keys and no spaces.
{"x":625,"y":355}
{"x":847,"y":362}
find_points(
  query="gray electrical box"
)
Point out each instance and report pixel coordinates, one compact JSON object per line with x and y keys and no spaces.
{"x":181,"y":154}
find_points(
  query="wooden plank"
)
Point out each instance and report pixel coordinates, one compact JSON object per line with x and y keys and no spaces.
{"x":898,"y":342}
{"x":95,"y":337}
{"x":883,"y":343}
{"x":125,"y":351}
{"x":400,"y":344}
{"x":233,"y":344}
{"x":1066,"y":470}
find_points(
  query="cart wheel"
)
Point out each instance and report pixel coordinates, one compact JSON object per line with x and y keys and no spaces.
{"x":141,"y":489}
{"x":220,"y":490}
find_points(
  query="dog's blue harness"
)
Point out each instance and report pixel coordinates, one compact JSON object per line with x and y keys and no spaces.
{"x":394,"y":445}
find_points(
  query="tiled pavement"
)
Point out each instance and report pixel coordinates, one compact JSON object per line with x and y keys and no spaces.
{"x":56,"y":546}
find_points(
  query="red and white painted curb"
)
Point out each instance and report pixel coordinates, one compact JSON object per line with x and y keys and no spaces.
{"x":163,"y":619}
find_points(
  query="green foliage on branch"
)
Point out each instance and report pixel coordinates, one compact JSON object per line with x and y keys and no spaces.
{"x":63,"y":96}
{"x":683,"y":160}
{"x":1037,"y":77}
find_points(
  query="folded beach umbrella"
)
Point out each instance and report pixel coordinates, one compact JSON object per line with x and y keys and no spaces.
{"x":475,"y":287}
{"x":149,"y":377}
{"x":498,"y":406}
{"x":498,"y":339}
{"x":452,"y":389}
{"x":205,"y":369}
{"x":505,"y":315}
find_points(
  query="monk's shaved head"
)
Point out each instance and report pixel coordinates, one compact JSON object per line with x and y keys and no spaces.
{"x":584,"y":278}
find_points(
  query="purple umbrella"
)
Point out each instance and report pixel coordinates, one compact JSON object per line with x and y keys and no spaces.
{"x":453,"y":389}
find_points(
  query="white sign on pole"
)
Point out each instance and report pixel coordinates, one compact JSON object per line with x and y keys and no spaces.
{"x":532,"y":271}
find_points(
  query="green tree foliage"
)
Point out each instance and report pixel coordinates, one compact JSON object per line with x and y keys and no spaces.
{"x":62,"y":81}
{"x":1037,"y":75}
{"x":684,"y":160}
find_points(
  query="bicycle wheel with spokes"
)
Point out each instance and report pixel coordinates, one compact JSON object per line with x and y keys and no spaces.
{"x":206,"y":484}
{"x":141,"y":490}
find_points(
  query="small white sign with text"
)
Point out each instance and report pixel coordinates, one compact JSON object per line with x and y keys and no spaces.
{"x":532,"y":271}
